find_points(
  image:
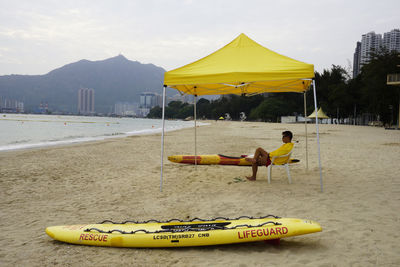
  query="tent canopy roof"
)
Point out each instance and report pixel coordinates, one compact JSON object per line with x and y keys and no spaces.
{"x":241,"y":67}
{"x":321,"y":114}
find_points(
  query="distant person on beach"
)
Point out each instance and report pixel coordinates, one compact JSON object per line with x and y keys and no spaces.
{"x":262,"y":157}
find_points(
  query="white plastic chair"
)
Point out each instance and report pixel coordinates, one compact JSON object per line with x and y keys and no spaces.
{"x":284,"y":165}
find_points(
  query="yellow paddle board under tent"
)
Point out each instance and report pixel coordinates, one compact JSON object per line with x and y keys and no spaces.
{"x":242,"y":67}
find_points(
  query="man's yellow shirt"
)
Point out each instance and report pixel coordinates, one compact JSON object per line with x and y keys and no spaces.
{"x":283,"y":150}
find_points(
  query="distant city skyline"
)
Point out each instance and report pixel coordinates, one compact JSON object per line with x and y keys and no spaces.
{"x":372,"y":42}
{"x":11,"y":105}
{"x":147,"y":101}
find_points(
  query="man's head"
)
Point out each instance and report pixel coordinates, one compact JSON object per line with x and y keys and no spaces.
{"x":287,"y":136}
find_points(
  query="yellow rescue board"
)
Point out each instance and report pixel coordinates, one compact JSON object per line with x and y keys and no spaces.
{"x":216,"y":159}
{"x":182,"y":234}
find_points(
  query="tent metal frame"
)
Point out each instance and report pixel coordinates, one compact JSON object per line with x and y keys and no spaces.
{"x":286,"y":85}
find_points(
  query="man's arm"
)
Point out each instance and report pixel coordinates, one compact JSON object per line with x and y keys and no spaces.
{"x":283,"y":150}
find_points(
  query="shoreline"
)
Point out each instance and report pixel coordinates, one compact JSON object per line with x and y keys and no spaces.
{"x":79,"y":140}
{"x":119,"y":179}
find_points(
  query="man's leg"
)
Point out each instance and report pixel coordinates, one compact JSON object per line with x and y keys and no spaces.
{"x":260,"y":158}
{"x":254,"y":168}
{"x":258,"y":154}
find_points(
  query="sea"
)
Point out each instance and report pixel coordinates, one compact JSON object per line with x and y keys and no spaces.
{"x":21,"y":131}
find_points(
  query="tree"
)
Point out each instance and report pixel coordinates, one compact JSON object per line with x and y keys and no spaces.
{"x":269,"y":110}
{"x":378,"y":97}
{"x":155,"y":113}
{"x":203,"y":108}
{"x":367,"y":92}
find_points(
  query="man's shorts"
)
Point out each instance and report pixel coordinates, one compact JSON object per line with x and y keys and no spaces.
{"x":268,"y":162}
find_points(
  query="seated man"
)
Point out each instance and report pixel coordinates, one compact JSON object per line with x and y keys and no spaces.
{"x":262,"y":157}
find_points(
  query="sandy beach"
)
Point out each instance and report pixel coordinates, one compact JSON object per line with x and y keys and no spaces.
{"x":119,"y":179}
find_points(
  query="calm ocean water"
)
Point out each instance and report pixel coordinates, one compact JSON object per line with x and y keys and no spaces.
{"x":18,"y":131}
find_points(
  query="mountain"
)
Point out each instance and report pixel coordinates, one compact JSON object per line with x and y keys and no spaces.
{"x":114,"y":79}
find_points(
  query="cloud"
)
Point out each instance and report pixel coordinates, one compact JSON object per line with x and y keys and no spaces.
{"x":42,"y":35}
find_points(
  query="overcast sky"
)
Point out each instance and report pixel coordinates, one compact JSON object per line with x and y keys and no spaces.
{"x":37,"y":36}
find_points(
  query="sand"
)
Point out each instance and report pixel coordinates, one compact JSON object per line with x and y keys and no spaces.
{"x":119,"y":179}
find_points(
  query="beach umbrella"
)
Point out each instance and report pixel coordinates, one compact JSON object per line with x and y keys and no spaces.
{"x":242,"y":67}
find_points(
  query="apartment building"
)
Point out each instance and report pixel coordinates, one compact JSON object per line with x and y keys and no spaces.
{"x":86,"y":101}
{"x":372,"y":43}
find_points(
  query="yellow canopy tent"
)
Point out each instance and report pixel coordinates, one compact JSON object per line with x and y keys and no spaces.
{"x":320,"y":114}
{"x":241,"y":67}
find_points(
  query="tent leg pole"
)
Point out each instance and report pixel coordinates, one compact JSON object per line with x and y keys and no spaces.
{"x":195,"y":133}
{"x":162,"y":139}
{"x":305,"y":126}
{"x":398,"y":117}
{"x":316,"y":125}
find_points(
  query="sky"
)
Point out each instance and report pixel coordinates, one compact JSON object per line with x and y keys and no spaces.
{"x":41,"y":35}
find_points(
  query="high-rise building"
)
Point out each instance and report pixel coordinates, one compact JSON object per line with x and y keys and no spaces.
{"x":150,"y":100}
{"x":391,"y":40}
{"x":356,"y":60}
{"x":86,"y":101}
{"x":159,"y":100}
{"x":370,"y":43}
{"x":373,"y":43}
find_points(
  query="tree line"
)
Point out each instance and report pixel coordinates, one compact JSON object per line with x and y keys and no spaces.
{"x":339,"y":95}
